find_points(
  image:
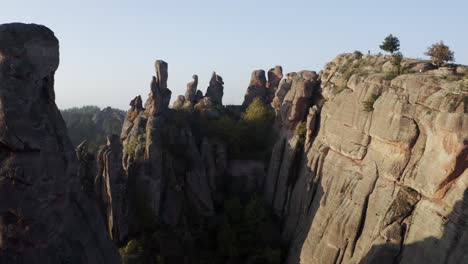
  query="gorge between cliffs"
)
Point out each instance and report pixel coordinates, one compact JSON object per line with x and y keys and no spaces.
{"x":361,"y":162}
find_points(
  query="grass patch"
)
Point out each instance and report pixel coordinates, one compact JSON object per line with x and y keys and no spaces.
{"x":390,"y":76}
{"x":301,"y":131}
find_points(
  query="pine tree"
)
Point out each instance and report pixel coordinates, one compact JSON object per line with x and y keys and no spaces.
{"x":390,"y":44}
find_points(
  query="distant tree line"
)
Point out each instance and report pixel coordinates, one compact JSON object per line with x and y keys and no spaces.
{"x":92,"y":124}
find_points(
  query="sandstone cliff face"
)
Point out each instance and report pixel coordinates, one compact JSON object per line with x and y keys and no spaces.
{"x":381,"y":175}
{"x":45,"y":216}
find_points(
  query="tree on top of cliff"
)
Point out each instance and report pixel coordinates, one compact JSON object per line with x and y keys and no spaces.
{"x":440,"y":53}
{"x":391,"y":44}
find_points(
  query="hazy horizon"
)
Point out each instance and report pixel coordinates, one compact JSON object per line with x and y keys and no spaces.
{"x":107,"y":51}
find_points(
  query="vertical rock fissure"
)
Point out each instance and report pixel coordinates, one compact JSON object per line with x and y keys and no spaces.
{"x":362,"y":220}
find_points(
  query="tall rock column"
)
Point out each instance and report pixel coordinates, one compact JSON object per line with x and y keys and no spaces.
{"x":44,"y":215}
{"x":274,"y":78}
{"x":215,"y":90}
{"x":156,"y":105}
{"x":257,"y":88}
{"x":111,"y":187}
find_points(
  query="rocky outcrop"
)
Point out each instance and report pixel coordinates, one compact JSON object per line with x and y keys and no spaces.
{"x":111,"y":189}
{"x":160,"y":95}
{"x":191,"y":98}
{"x":381,"y":176}
{"x":191,"y":93}
{"x":167,"y":165}
{"x":275,"y":75}
{"x":296,"y":95}
{"x":262,"y":89}
{"x":257,"y":88}
{"x":215,"y":90}
{"x":45,"y":216}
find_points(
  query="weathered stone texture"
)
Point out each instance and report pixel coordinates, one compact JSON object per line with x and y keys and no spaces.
{"x":382,"y":177}
{"x":45,"y":217}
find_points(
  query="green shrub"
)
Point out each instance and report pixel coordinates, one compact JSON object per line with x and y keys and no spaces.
{"x":243,"y":233}
{"x":301,"y":131}
{"x":134,"y":142}
{"x":397,"y":58}
{"x":248,"y":135}
{"x":258,"y":112}
{"x":369,"y":104}
{"x":390,"y":76}
{"x":133,"y":247}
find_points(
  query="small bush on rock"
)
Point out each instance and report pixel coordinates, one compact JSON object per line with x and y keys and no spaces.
{"x":369,"y":104}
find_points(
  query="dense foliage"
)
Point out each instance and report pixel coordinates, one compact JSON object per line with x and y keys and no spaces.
{"x":241,"y":232}
{"x":390,"y":44}
{"x":92,"y":124}
{"x":247,"y":135}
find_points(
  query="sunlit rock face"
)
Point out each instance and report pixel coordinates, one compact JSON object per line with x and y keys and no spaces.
{"x":45,"y":215}
{"x":381,"y":175}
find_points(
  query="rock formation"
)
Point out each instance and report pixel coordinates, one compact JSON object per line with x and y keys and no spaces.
{"x":163,"y":157}
{"x":160,"y":95}
{"x":190,"y":94}
{"x":274,"y":78}
{"x":45,"y":216}
{"x":191,"y":98}
{"x":368,"y":166}
{"x":262,"y":88}
{"x":257,"y":88}
{"x":381,"y":175}
{"x":111,"y":189}
{"x":215,"y":90}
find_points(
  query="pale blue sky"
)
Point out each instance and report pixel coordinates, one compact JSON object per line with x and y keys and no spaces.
{"x":108,"y":47}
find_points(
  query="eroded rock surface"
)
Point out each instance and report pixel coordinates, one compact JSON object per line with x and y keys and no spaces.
{"x":381,"y":176}
{"x":256,"y":89}
{"x":215,"y":90}
{"x":45,"y":215}
{"x":112,"y":189}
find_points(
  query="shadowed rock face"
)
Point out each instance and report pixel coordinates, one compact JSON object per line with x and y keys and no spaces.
{"x":215,"y":90}
{"x":44,"y":215}
{"x":111,"y":189}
